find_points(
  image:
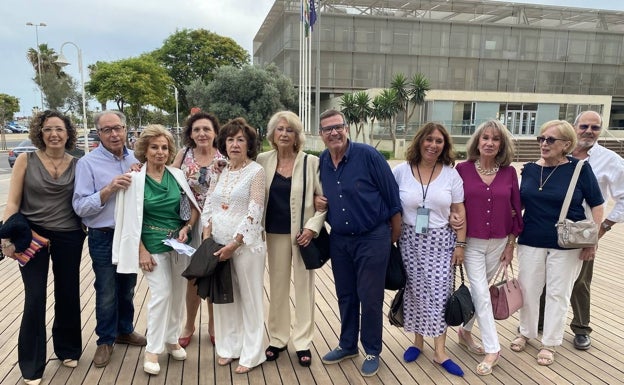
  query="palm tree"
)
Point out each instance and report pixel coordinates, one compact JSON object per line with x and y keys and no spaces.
{"x":356,"y":109}
{"x":55,"y":84}
{"x":419,"y":85}
{"x":387,"y":105}
{"x":400,"y":84}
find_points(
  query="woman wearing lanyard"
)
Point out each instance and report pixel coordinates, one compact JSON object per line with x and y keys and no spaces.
{"x":430,"y":189}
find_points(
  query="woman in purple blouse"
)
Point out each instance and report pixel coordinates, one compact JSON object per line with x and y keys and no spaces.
{"x":492,"y":201}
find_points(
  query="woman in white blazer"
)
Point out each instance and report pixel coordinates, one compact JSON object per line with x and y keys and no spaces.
{"x":145,"y":214}
{"x":284,"y":197}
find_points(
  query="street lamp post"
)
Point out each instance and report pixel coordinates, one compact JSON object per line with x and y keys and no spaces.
{"x":62,"y":61}
{"x":30,"y":24}
{"x":175,"y":89}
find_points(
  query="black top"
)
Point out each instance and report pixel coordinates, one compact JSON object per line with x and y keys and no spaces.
{"x":278,"y":207}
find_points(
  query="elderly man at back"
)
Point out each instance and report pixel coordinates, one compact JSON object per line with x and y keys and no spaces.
{"x":609,"y":169}
{"x":99,"y":176}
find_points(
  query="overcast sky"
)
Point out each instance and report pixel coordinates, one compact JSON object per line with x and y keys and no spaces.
{"x":117,"y":29}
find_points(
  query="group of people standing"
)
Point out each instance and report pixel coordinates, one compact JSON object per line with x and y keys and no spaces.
{"x":440,"y":215}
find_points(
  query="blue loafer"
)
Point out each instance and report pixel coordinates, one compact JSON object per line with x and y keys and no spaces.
{"x":411,"y":354}
{"x":338,"y":354}
{"x":451,"y":367}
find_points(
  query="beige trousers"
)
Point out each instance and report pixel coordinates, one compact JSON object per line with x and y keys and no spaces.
{"x":282,"y":255}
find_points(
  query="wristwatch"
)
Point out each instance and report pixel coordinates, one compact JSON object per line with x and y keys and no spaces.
{"x":605,"y":226}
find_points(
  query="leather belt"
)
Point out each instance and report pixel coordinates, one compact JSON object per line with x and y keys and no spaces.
{"x":104,"y":229}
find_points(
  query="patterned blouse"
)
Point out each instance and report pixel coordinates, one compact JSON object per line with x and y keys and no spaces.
{"x":196,"y":174}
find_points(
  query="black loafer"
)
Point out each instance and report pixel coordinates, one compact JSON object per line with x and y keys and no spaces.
{"x":582,"y":341}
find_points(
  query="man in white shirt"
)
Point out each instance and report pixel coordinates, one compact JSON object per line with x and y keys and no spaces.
{"x":609,"y":169}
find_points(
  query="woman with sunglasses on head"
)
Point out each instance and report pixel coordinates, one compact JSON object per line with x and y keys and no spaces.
{"x":196,"y":159}
{"x":542,"y":261}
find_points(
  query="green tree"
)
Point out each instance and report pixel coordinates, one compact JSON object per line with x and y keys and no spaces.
{"x":386,"y":107}
{"x":419,"y":86}
{"x":9,"y":105}
{"x":357,"y":110}
{"x":58,"y":87}
{"x":138,"y":82}
{"x":196,"y":54}
{"x":253,"y":93}
{"x":197,"y":94}
{"x":410,"y":92}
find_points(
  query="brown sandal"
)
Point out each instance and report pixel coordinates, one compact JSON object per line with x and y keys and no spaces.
{"x":519,"y":343}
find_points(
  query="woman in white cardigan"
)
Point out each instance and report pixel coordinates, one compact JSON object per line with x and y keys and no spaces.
{"x":147,"y":213}
{"x":284,"y":197}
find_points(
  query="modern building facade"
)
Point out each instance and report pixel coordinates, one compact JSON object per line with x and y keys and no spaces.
{"x":520,"y":63}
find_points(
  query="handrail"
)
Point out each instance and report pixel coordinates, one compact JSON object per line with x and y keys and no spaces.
{"x":618,"y":140}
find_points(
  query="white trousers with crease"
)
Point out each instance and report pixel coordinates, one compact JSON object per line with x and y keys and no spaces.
{"x":239,"y":326}
{"x":482,"y":259}
{"x":167,"y":292}
{"x":557,"y":269}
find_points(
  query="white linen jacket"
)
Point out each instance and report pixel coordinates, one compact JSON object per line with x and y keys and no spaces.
{"x":129,"y":219}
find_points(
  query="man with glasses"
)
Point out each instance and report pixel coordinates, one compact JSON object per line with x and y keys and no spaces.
{"x":99,"y":176}
{"x":609,"y":170}
{"x":364,"y":211}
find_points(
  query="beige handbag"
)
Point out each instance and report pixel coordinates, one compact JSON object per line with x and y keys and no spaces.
{"x":570,"y":234}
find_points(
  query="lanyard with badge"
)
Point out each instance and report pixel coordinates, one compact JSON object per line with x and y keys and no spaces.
{"x":422,"y":212}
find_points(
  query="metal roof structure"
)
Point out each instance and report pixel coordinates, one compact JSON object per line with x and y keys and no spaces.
{"x":463,"y":11}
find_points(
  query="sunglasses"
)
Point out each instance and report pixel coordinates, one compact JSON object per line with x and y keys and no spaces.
{"x":584,"y":127}
{"x":202,"y":175}
{"x":548,"y":139}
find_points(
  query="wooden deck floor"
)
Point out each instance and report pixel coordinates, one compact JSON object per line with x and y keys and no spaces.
{"x":602,"y":364}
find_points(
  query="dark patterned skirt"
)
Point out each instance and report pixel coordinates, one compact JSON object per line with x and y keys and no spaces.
{"x":427,"y":261}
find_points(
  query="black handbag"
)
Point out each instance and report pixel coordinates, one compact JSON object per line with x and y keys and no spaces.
{"x":459,"y":307}
{"x":316,"y":253}
{"x":395,"y":273}
{"x":395,"y":315}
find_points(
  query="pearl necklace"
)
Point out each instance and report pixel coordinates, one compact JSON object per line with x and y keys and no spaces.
{"x":227,"y":188}
{"x":489,"y":171}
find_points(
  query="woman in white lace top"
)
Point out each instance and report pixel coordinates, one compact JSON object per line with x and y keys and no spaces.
{"x":232,"y":215}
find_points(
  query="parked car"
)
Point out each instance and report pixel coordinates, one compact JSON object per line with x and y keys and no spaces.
{"x":24,"y":146}
{"x":16,"y":128}
{"x":93,"y":142}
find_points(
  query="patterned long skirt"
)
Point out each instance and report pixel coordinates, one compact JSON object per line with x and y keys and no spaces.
{"x":427,"y":261}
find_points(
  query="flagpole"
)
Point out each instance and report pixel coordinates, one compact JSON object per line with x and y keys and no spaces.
{"x":317,"y":95}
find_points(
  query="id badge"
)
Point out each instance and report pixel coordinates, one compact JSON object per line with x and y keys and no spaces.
{"x":422,"y":220}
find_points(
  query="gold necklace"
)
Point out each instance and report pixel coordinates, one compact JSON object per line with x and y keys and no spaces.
{"x":227,"y":188}
{"x":486,"y":172}
{"x":56,"y":173}
{"x":286,"y":165}
{"x":548,"y":177}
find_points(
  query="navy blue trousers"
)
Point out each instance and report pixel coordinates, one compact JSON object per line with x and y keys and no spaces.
{"x":359,"y":264}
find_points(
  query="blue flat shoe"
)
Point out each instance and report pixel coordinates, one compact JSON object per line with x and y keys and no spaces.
{"x":451,"y":367}
{"x":411,"y":354}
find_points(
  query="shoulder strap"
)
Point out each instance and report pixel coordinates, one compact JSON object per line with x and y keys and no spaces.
{"x":305,"y":166}
{"x":568,"y":197}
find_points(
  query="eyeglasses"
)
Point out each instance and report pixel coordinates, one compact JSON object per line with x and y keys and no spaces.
{"x":338,"y":127}
{"x":548,"y":139}
{"x":49,"y":130}
{"x":584,"y":127}
{"x":108,"y":130}
{"x":202,"y":175}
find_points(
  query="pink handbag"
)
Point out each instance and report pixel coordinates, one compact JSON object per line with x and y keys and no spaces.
{"x":506,"y":295}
